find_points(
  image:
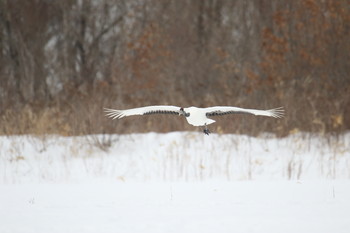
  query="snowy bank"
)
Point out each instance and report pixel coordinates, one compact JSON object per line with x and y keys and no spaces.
{"x":220,"y":183}
{"x":178,"y":156}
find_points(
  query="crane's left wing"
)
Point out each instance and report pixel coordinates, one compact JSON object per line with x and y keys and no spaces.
{"x":223,"y":110}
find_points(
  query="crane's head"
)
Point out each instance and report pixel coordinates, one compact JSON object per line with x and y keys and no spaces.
{"x":183,"y":113}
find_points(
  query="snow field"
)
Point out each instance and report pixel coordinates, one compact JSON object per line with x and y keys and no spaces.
{"x":173,"y":157}
{"x":236,"y":206}
{"x":175,"y":182}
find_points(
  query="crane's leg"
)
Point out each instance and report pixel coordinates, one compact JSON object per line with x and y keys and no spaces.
{"x":206,"y":130}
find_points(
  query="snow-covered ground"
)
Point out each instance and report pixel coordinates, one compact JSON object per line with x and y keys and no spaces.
{"x":175,"y":156}
{"x":203,"y":207}
{"x":175,"y":182}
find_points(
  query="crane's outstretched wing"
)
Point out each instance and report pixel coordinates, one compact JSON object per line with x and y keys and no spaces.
{"x":223,"y":110}
{"x":159,"y":109}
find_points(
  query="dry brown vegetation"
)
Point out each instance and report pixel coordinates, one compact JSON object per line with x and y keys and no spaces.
{"x":62,"y":61}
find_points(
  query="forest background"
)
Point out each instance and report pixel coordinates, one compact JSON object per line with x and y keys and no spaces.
{"x":62,"y":62}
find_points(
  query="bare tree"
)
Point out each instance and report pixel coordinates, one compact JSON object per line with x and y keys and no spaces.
{"x":70,"y":58}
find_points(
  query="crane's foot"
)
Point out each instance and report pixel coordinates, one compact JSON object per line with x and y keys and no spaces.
{"x":206,"y":131}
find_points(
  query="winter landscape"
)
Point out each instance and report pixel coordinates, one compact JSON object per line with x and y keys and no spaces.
{"x":175,"y":182}
{"x":281,"y":165}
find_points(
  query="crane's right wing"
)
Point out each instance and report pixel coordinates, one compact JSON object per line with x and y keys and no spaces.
{"x":158,"y":109}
